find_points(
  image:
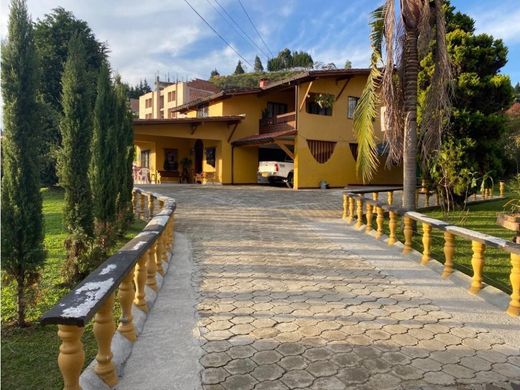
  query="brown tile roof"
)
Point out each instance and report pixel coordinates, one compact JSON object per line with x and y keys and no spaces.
{"x":203,"y":84}
{"x":266,"y":138}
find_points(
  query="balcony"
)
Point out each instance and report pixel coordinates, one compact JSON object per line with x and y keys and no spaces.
{"x":277,"y":123}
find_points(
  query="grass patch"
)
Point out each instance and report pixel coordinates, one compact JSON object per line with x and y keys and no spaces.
{"x":29,"y":356}
{"x":480,"y":217}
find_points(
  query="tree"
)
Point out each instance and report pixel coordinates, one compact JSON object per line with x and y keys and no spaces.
{"x":239,"y":69}
{"x":103,"y":165}
{"x":480,"y":95}
{"x":287,"y":60}
{"x":52,"y":35}
{"x":214,"y":74}
{"x":348,"y":64}
{"x":73,"y":161}
{"x":398,"y":86}
{"x":517,"y":92}
{"x":23,"y":253}
{"x":140,"y":89}
{"x":124,"y":155}
{"x":258,"y":65}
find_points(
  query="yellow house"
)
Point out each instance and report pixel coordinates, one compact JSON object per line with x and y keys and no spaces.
{"x":306,"y":119}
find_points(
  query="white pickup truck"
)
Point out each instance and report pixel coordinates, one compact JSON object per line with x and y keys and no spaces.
{"x":276,"y":172}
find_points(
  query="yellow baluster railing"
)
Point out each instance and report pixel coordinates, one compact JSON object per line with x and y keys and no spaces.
{"x":104,"y":328}
{"x":449,"y":250}
{"x":514,"y":305}
{"x":392,"y":225}
{"x":477,"y":263}
{"x":408,"y":234}
{"x":380,"y":220}
{"x":72,"y":356}
{"x":359,"y":204}
{"x":368,"y":227}
{"x":426,"y":240}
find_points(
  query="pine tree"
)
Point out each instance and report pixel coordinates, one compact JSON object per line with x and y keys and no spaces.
{"x":214,"y":73}
{"x":258,"y":65}
{"x":239,"y":69}
{"x":124,"y":156}
{"x":23,"y":253}
{"x":76,"y":133}
{"x":103,"y":164}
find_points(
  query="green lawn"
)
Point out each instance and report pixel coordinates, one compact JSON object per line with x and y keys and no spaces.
{"x":29,"y":356}
{"x":480,"y":217}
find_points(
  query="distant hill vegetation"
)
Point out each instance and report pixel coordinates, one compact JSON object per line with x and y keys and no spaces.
{"x":250,"y":80}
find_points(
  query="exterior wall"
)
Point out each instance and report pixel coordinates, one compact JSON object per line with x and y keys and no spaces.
{"x":143,"y":110}
{"x":340,"y":169}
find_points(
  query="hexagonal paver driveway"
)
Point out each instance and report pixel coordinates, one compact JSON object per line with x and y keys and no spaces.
{"x":281,"y":306}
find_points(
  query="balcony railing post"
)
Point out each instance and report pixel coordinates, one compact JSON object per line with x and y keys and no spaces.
{"x":104,"y":328}
{"x":126,"y":298}
{"x":449,"y":250}
{"x":368,"y":228}
{"x":72,"y":356}
{"x":426,"y":240}
{"x":392,"y":224}
{"x":345,"y":207}
{"x":408,"y":234}
{"x":350,"y":217}
{"x":477,"y":262}
{"x":158,"y":255}
{"x":514,"y":305}
{"x":390,"y":197}
{"x":150,"y":205}
{"x":359,"y":203}
{"x":151,"y":269}
{"x":140,"y":281}
{"x":380,"y":220}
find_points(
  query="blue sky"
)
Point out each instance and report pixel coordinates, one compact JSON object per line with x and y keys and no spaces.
{"x":164,"y":37}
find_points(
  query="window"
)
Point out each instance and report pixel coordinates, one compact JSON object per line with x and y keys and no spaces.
{"x":148,"y":116}
{"x":210,"y":156}
{"x":274,"y":109}
{"x":172,"y":114}
{"x":171,"y":96}
{"x":320,"y":103}
{"x":148,"y":103}
{"x":170,"y":160}
{"x":202,"y":111}
{"x":321,"y":150}
{"x":145,"y":159}
{"x":352,"y":103}
{"x":354,"y":150}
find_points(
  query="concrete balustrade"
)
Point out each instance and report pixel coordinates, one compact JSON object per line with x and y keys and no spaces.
{"x":479,"y":241}
{"x":137,"y":264}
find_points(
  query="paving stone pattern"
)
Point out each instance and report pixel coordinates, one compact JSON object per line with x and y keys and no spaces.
{"x":282,"y":308}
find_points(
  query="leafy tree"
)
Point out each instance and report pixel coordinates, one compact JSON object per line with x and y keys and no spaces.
{"x":125,"y":155}
{"x":22,"y":222}
{"x":52,"y":35}
{"x":73,"y":161}
{"x":348,"y":64}
{"x":517,"y":92}
{"x":103,"y":165}
{"x":258,"y":65}
{"x":399,"y":89}
{"x":239,"y":69}
{"x":214,"y":74}
{"x":480,"y":93}
{"x":287,"y":60}
{"x":142,"y":88}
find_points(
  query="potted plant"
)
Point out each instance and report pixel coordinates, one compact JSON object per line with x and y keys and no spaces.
{"x":511,"y":218}
{"x":324,"y":100}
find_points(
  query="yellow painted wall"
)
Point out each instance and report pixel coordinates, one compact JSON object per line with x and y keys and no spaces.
{"x":339,"y":170}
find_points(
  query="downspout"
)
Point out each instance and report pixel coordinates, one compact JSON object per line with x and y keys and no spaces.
{"x":232,"y":164}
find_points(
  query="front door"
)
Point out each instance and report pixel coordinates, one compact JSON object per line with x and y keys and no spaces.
{"x":198,"y":149}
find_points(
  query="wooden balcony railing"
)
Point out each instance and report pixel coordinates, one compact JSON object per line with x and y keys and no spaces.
{"x":137,"y":265}
{"x":278,"y":123}
{"x":359,"y":209}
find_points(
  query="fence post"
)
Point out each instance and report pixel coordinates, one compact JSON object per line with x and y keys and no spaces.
{"x":126,"y":298}
{"x":514,"y":305}
{"x":359,"y":203}
{"x":477,"y":262}
{"x":380,"y":220}
{"x":449,"y":250}
{"x":72,"y":356}
{"x":392,"y":224}
{"x":426,"y":240}
{"x":104,"y":329}
{"x":408,"y":235}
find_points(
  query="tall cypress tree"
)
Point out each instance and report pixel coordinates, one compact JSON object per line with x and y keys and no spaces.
{"x":258,"y":65}
{"x":103,"y":165}
{"x":76,"y":133}
{"x":125,"y":154}
{"x":22,"y":222}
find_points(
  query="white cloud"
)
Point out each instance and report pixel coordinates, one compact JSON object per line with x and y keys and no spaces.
{"x":500,"y":23}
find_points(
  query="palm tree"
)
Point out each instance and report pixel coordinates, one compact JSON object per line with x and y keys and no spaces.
{"x":419,"y":28}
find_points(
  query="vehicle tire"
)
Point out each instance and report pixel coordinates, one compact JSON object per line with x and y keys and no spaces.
{"x":290,"y":180}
